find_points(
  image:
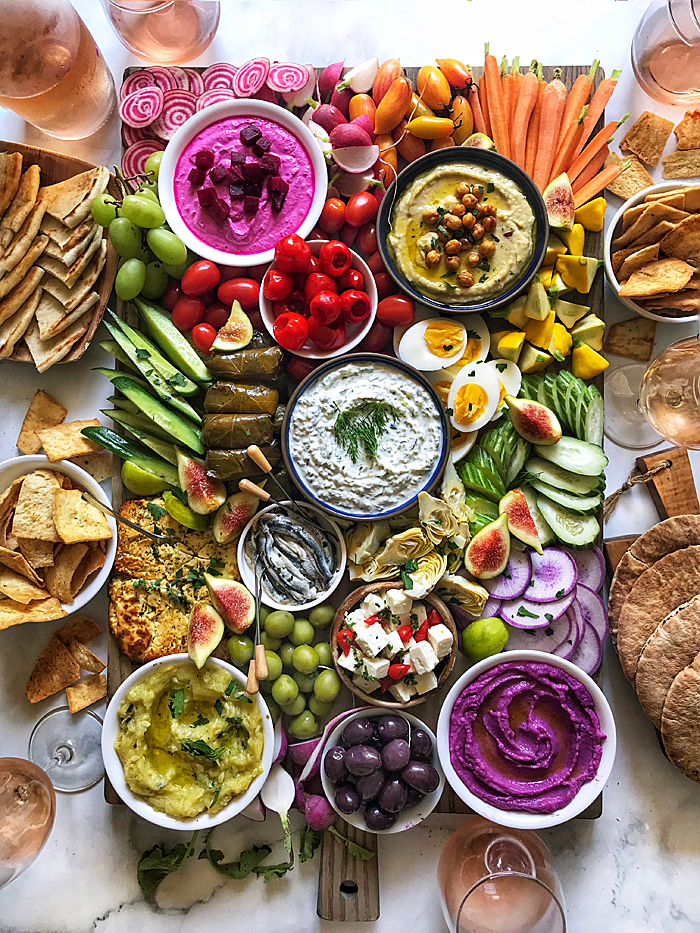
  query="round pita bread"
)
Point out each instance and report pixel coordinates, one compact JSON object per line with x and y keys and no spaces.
{"x":627,"y":572}
{"x":665,"y":586}
{"x":680,"y":722}
{"x":669,"y":649}
{"x":675,"y":533}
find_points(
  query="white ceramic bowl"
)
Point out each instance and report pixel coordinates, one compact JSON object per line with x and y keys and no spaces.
{"x":140,"y":805}
{"x":20,"y":466}
{"x":516,"y":819}
{"x":248,"y":576}
{"x":409,"y":816}
{"x":355,"y":332}
{"x":614,"y":230}
{"x":190,"y":128}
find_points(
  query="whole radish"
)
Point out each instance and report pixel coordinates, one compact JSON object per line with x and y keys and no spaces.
{"x":349,"y":134}
{"x":364,"y":122}
{"x":328,"y":117}
{"x":341,"y":99}
{"x":328,"y":79}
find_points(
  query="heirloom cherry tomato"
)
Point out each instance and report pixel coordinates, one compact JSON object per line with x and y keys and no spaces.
{"x":172,"y":294}
{"x":396,"y":311}
{"x":353,"y":278}
{"x":216,"y":314}
{"x":257,"y":273}
{"x":277,"y":285}
{"x":325,"y":307}
{"x":200,"y":277}
{"x":246,"y":291}
{"x":375,"y":264}
{"x":385,"y":285}
{"x":318,"y":282}
{"x":187,"y":313}
{"x":299,"y":368}
{"x":332,"y":216}
{"x":291,"y":331}
{"x":361,"y":209}
{"x":377,"y":339}
{"x":335,"y":258}
{"x":327,"y":337}
{"x":367,"y":239}
{"x":347,"y":234}
{"x":355,"y":306}
{"x":292,"y":254}
{"x":296,"y":303}
{"x":203,"y":336}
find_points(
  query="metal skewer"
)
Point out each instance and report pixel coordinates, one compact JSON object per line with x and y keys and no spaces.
{"x":261,"y":461}
{"x":161,"y":539}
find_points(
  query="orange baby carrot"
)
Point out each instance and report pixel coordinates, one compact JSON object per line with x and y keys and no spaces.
{"x":577,"y":98}
{"x":472,"y":93}
{"x":601,"y":96}
{"x":566,"y":150}
{"x":599,"y":140}
{"x":484,"y":103}
{"x":517,"y":84}
{"x":553,"y":102}
{"x":497,"y":110}
{"x":598,"y":182}
{"x":533,"y":129}
{"x":523,"y":111}
{"x":591,"y":170}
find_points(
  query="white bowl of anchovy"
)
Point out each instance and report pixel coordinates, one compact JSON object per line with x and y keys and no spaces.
{"x":301,"y":567}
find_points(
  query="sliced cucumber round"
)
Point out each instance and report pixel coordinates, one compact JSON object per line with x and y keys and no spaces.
{"x":553,"y":475}
{"x":575,"y":455}
{"x":576,"y":530}
{"x":568,"y":500}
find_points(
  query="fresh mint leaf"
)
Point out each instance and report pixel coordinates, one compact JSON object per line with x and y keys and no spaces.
{"x":177,"y":702}
{"x":200,"y":749}
{"x":158,"y":862}
{"x":357,"y":851}
{"x":501,"y":367}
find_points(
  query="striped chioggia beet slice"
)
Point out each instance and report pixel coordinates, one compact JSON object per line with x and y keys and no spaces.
{"x":196,"y":81}
{"x":214,"y":96}
{"x":132,"y":134}
{"x":178,"y":106}
{"x":218,"y":76}
{"x":164,"y":77}
{"x":134,"y":159}
{"x":250,"y":77}
{"x":286,"y":76}
{"x":142,"y":107}
{"x":136,"y":81}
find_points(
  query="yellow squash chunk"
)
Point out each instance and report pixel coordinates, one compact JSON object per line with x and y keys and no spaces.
{"x":561,"y":342}
{"x":590,"y":330}
{"x":537,"y":303}
{"x":592,"y":215}
{"x":533,"y":360}
{"x":495,"y":336}
{"x":569,"y":312}
{"x":574,"y":239}
{"x":555,"y":248}
{"x":545,"y":274}
{"x":578,"y":271}
{"x":516,"y":313}
{"x":558,"y":286}
{"x":540,"y":333}
{"x":510,"y":345}
{"x":586,"y":363}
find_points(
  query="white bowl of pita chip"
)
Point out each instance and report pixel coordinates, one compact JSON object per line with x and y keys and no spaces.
{"x":56,"y":550}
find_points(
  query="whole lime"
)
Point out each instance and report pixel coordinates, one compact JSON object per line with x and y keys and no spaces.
{"x":483,"y":638}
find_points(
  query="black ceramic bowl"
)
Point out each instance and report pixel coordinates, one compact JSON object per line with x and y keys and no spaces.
{"x":486,"y":158}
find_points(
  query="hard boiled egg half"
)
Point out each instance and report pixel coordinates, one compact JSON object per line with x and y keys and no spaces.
{"x":473,"y":397}
{"x":421,"y":313}
{"x":509,"y":379}
{"x":433,"y":344}
{"x":477,"y":346}
{"x":461,"y":442}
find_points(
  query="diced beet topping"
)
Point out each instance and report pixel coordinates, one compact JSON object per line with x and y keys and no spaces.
{"x":262,"y":146}
{"x":250,"y":134}
{"x":204,"y":159}
{"x":278,"y":189}
{"x":236,"y":192}
{"x":219,"y":174}
{"x":253,"y":191}
{"x":238,"y":158}
{"x":253,"y":173}
{"x":251,"y":204}
{"x":235,"y":173}
{"x":270,"y":163}
{"x":219,"y":210}
{"x":206,"y":196}
{"x":197,"y":177}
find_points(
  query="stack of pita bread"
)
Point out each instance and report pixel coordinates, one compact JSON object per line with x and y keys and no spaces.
{"x":51,"y":254}
{"x":654,"y":613}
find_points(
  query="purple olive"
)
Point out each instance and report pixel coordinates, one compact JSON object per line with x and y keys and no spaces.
{"x":421,"y":745}
{"x":378,"y":819}
{"x":413,"y":797}
{"x":347,"y":800}
{"x":334,"y":765}
{"x":357,"y":732}
{"x":420,"y":776}
{"x":392,"y":727}
{"x":375,"y":741}
{"x":396,"y":755}
{"x":370,"y":785}
{"x":362,"y":759}
{"x":392,"y":797}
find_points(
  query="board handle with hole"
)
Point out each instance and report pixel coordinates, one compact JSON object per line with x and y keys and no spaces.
{"x":348,"y":888}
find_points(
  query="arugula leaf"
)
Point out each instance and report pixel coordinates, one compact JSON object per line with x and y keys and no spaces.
{"x":200,"y":749}
{"x":234,"y":689}
{"x":357,"y":851}
{"x":241,"y":867}
{"x":177,"y":702}
{"x":155,"y":511}
{"x":266,"y":872}
{"x":158,"y":862}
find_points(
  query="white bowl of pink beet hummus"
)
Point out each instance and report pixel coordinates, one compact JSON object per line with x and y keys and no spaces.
{"x":247,"y":234}
{"x":526,"y":739}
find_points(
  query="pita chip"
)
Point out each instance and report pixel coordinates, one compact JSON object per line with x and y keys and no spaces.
{"x":13,"y":560}
{"x":16,"y":326}
{"x":636,"y":260}
{"x":63,"y":236}
{"x":657,"y":233}
{"x":65,"y":200}
{"x":53,"y":318}
{"x":37,"y":553}
{"x":632,"y":215}
{"x":76,"y":520}
{"x":10,"y":172}
{"x":33,"y":517}
{"x":39,"y":610}
{"x":633,"y":339}
{"x":631,"y":180}
{"x":22,"y":204}
{"x":83,"y":628}
{"x":9,"y":497}
{"x":19,"y":276}
{"x":682,"y":164}
{"x":84,"y":657}
{"x":82,"y":695}
{"x":17,"y":587}
{"x":58,"y":578}
{"x":47,"y":352}
{"x":99,"y":464}
{"x":691,"y":198}
{"x":43,"y":412}
{"x":653,"y":213}
{"x":662,"y":195}
{"x":93,"y":560}
{"x":664,"y":275}
{"x":688,"y":131}
{"x":65,"y":440}
{"x":647,"y":137}
{"x":12,"y":302}
{"x":69,"y":275}
{"x":22,"y":240}
{"x":55,"y":669}
{"x":70,"y":298}
{"x":683,"y":242}
{"x":618,"y":257}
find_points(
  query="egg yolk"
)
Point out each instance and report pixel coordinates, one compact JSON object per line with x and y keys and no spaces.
{"x":444,"y":338}
{"x":470,"y":403}
{"x":443,"y":390}
{"x":456,"y":438}
{"x":502,"y":392}
{"x":471,"y":353}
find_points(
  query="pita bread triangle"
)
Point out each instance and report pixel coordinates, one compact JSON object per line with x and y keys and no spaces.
{"x":65,"y":196}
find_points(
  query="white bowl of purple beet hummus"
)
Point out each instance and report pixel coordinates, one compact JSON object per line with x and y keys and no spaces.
{"x":526,"y":739}
{"x":237,"y":177}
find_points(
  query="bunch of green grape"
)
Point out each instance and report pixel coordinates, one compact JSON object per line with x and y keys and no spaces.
{"x":145,"y":266}
{"x":301,"y":681}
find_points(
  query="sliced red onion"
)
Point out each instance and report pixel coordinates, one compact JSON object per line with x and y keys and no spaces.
{"x":328,"y":79}
{"x":134,"y":159}
{"x":136,"y":81}
{"x":250,"y":77}
{"x":164,"y":78}
{"x":214,"y":97}
{"x":219,"y":76}
{"x":142,"y":107}
{"x":287,"y":76}
{"x":132,"y":134}
{"x":178,"y":107}
{"x":196,"y":84}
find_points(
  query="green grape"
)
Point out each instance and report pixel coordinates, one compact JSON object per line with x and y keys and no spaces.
{"x":104,"y":209}
{"x":147,"y":191}
{"x":318,"y":707}
{"x":284,"y":690}
{"x":166,"y":246}
{"x":303,"y":726}
{"x":305,"y":659}
{"x":305,"y":682}
{"x":266,"y":687}
{"x":130,"y":279}
{"x":327,"y":686}
{"x":296,"y":706}
{"x":286,"y":652}
{"x":279,"y":623}
{"x":153,"y":163}
{"x":302,"y":633}
{"x":177,"y":271}
{"x":156,"y":280}
{"x":125,"y":238}
{"x":325,"y":656}
{"x":274,"y":665}
{"x":270,"y":644}
{"x":263,"y":612}
{"x":241,"y":649}
{"x":321,"y":616}
{"x":143,"y":211}
{"x":275,"y":709}
{"x":484,"y":637}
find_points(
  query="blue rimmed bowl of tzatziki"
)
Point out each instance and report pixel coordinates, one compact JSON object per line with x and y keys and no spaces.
{"x":363,"y":435}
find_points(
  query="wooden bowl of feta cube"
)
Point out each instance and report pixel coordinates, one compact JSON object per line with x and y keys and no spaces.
{"x":390,"y":649}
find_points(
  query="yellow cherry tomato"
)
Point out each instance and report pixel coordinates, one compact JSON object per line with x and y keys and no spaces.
{"x":417,"y":108}
{"x":433,"y":87}
{"x":442,"y":142}
{"x":463,"y":119}
{"x":430,"y":127}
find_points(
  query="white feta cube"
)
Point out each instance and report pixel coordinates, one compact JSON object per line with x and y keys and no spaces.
{"x":390,"y":626}
{"x":372,"y":605}
{"x":398,"y":601}
{"x":426,"y":682}
{"x":423,"y":657}
{"x":371,"y":639}
{"x":418,"y":614}
{"x":374,"y":667}
{"x":368,"y":686}
{"x":356,"y":617}
{"x":440,"y":638}
{"x":402,"y":691}
{"x":395,"y":645}
{"x":350,"y":661}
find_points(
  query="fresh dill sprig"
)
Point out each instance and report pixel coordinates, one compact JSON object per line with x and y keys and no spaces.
{"x":363,"y":426}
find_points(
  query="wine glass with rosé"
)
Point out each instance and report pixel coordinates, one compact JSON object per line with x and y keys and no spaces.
{"x":497,"y":880}
{"x":666,"y":51}
{"x":166,"y":32}
{"x":27,"y":813}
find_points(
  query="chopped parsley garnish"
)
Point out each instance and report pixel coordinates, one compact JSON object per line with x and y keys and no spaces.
{"x":410,"y":679}
{"x":443,"y":231}
{"x":411,"y":565}
{"x":200,"y":749}
{"x":155,"y":511}
{"x":199,"y":721}
{"x":235,"y":690}
{"x":561,"y":593}
{"x":501,"y":367}
{"x":549,"y":631}
{"x":177,"y":702}
{"x":548,"y":616}
{"x":490,"y":187}
{"x":495,"y":238}
{"x":142,"y":354}
{"x":522,"y":611}
{"x":219,"y":707}
{"x":484,"y":265}
{"x":483,"y":279}
{"x":407,"y":581}
{"x":177,"y":379}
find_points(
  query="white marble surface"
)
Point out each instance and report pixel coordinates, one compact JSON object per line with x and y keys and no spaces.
{"x":634,"y":869}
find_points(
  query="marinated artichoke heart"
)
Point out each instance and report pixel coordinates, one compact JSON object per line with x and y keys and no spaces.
{"x":436,"y":517}
{"x":430,"y":569}
{"x":461,"y":592}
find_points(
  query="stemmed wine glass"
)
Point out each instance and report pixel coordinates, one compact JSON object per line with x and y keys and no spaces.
{"x":27,"y":813}
{"x":67,"y":747}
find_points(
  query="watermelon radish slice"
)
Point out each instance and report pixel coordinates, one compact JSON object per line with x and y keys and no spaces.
{"x":250,"y":77}
{"x":178,"y":107}
{"x":142,"y":107}
{"x":356,"y":159}
{"x":515,"y":578}
{"x":196,"y":83}
{"x":286,"y":76}
{"x":219,"y":76}
{"x":524,"y":613}
{"x":132,"y":134}
{"x":553,"y":575}
{"x":491,"y":608}
{"x":163,"y":77}
{"x":136,"y":81}
{"x":541,"y":639}
{"x":590,"y":565}
{"x":578,"y":621}
{"x":593,"y":611}
{"x":134,"y":159}
{"x":589,"y":653}
{"x":214,"y":96}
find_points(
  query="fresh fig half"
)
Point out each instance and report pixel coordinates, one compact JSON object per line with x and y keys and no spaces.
{"x":204,"y":632}
{"x":233,"y":601}
{"x":489,"y":550}
{"x":520,"y":522}
{"x":533,"y":421}
{"x":233,"y":516}
{"x":236,"y":333}
{"x":479,"y":141}
{"x":559,"y":200}
{"x":204,"y":494}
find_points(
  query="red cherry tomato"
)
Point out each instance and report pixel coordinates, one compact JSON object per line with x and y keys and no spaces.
{"x":397,"y":671}
{"x":257,"y":273}
{"x":361,"y":209}
{"x":385,"y":285}
{"x":246,"y":291}
{"x":296,"y":303}
{"x":327,"y":337}
{"x":298,"y":368}
{"x":377,"y":339}
{"x":277,"y":285}
{"x":200,"y":277}
{"x":236,"y":272}
{"x":347,"y":234}
{"x":208,"y":297}
{"x":367,"y":239}
{"x":353,"y":278}
{"x":172,"y":294}
{"x":335,"y":258}
{"x":291,"y":331}
{"x":325,"y":307}
{"x":256,"y":320}
{"x":375,"y":264}
{"x":292,"y":254}
{"x":396,"y":310}
{"x":355,"y":305}
{"x":332,"y":216}
{"x":187,"y":313}
{"x":203,"y":336}
{"x":216,"y":314}
{"x":318,"y":282}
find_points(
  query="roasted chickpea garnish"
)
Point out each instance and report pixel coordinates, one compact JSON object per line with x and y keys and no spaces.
{"x":469,"y":202}
{"x":432,"y":259}
{"x":441,"y":236}
{"x":478,"y":231}
{"x":465,"y":243}
{"x":468,"y":221}
{"x":489,"y":223}
{"x":489,"y":209}
{"x":465,"y":279}
{"x":452,"y":222}
{"x":452,"y":247}
{"x":453,"y":263}
{"x":473,"y":259}
{"x":459,"y":210}
{"x":430,"y":217}
{"x":478,"y":191}
{"x":461,"y":189}
{"x":487,"y":248}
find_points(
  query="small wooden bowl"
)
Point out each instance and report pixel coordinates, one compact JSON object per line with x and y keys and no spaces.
{"x":356,"y":597}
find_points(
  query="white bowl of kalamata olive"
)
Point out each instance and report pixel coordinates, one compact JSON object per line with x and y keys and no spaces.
{"x":381,"y":772}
